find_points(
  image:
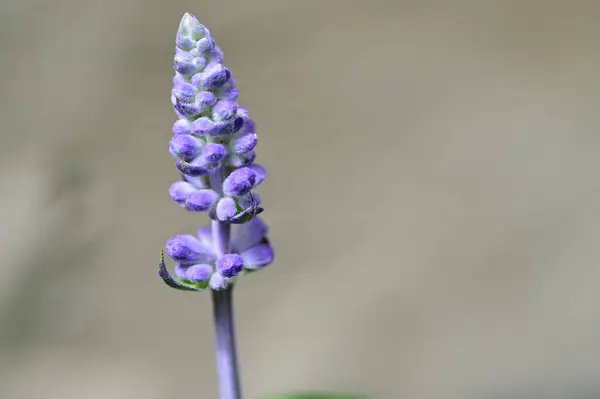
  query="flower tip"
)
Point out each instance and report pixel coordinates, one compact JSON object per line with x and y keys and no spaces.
{"x":188,"y":22}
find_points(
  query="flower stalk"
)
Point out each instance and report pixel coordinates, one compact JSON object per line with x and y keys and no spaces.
{"x":226,"y":352}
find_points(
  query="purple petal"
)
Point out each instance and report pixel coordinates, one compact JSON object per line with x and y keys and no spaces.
{"x":205,"y":236}
{"x":248,"y":235}
{"x":261,"y":173}
{"x":258,"y":256}
{"x":249,"y":126}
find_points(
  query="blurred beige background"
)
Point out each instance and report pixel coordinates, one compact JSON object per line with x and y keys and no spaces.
{"x":433,"y":199}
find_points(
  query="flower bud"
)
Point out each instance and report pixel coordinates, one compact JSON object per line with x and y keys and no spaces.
{"x":186,"y":249}
{"x":239,"y":182}
{"x":226,"y":209}
{"x":184,"y":92}
{"x":198,"y":167}
{"x":214,"y":76}
{"x":243,"y":143}
{"x":230,"y":265}
{"x":185,"y":146}
{"x":224,"y":110}
{"x":180,"y":191}
{"x":201,"y":200}
{"x":182,"y":126}
{"x":214,"y":153}
{"x":199,"y":273}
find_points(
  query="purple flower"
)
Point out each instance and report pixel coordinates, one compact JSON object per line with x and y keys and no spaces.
{"x":197,"y":261}
{"x":213,"y":144}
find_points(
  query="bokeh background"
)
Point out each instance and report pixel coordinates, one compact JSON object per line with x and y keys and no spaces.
{"x":433,"y":199}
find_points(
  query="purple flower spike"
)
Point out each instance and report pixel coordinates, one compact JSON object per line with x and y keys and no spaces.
{"x":185,"y":146}
{"x":230,"y":265}
{"x":180,"y":191}
{"x":199,"y":273}
{"x":213,"y":144}
{"x":239,"y":182}
{"x":201,"y":200}
{"x":187,"y":249}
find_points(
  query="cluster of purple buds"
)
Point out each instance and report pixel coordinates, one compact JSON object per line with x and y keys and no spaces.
{"x":213,"y":146}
